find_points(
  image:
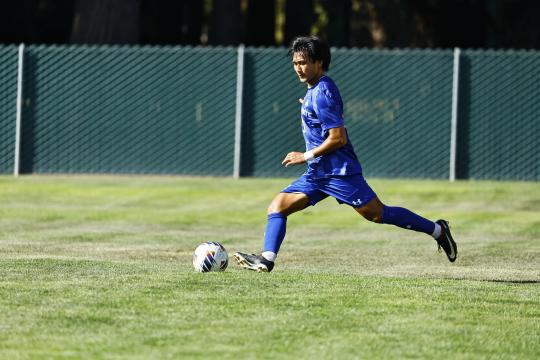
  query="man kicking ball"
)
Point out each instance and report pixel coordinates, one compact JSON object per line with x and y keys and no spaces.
{"x":332,"y":166}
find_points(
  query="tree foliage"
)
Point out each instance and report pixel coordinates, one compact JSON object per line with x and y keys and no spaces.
{"x":347,"y":23}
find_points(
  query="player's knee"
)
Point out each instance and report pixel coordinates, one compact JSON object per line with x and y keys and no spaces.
{"x":281,"y":207}
{"x":276,"y":207}
{"x":372,"y":211}
{"x":371,"y":215}
{"x":272,"y":208}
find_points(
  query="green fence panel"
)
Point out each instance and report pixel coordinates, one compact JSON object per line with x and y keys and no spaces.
{"x":129,"y":110}
{"x":499,"y":115}
{"x":171,"y":110}
{"x":271,"y":113}
{"x":398,"y":109}
{"x":8,"y":107}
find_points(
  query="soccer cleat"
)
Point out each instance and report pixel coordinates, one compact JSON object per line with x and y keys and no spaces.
{"x":253,"y":262}
{"x":446,"y":242}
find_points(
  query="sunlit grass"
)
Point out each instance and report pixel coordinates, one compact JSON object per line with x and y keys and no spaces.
{"x":99,"y":267}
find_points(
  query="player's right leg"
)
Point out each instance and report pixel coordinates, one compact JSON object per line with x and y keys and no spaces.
{"x":281,"y":206}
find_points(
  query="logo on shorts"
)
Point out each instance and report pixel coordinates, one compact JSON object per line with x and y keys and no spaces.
{"x":357,"y":202}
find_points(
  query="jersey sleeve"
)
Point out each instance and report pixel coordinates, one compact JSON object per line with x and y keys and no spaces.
{"x":329,"y":109}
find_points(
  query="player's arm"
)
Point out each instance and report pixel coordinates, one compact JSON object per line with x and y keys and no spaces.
{"x":337,"y":137}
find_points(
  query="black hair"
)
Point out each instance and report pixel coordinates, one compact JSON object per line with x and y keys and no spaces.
{"x":313,"y":47}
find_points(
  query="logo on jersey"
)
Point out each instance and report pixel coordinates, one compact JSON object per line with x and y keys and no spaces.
{"x":307,"y":113}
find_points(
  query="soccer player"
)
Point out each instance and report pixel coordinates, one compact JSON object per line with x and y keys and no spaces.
{"x":332,"y":166}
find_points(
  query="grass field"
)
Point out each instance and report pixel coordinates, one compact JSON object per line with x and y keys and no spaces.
{"x":100,"y":267}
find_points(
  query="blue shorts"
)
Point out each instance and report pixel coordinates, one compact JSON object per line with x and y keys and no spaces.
{"x":352,"y":190}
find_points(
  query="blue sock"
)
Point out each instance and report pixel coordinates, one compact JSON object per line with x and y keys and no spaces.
{"x":406,"y":219}
{"x":275,"y":232}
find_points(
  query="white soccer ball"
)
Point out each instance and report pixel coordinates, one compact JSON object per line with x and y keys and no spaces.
{"x":210,"y":256}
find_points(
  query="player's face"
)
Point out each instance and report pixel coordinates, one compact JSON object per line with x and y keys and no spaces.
{"x":308,"y":71}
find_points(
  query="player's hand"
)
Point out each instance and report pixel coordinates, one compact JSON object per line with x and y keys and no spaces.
{"x":293,"y":158}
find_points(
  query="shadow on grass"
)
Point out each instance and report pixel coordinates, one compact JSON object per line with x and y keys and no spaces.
{"x":501,"y":281}
{"x":512,"y":281}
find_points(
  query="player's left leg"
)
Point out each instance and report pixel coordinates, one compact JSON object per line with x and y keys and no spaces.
{"x":356,"y":192}
{"x":377,"y":212}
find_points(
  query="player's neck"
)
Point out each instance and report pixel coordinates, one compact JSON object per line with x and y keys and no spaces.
{"x":315,"y":80}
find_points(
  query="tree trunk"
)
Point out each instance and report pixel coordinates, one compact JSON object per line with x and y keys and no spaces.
{"x":161,"y":22}
{"x":192,"y":22}
{"x":261,"y":23}
{"x":299,"y":17}
{"x":225,"y":23}
{"x":338,"y":29}
{"x":106,"y":22}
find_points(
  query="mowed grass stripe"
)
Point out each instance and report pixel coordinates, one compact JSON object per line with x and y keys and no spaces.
{"x":99,"y":267}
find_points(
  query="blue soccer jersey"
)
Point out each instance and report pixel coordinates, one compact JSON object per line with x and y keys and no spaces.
{"x":322,"y":110}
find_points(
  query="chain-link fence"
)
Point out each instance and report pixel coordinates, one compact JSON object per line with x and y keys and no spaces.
{"x":271,"y":113}
{"x":8,"y":107}
{"x":398,"y":110}
{"x":173,"y":110}
{"x":128,"y":110}
{"x":499,"y":115}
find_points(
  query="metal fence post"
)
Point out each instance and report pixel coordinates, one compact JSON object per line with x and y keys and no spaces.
{"x":454,"y":124}
{"x":238,"y":117}
{"x":19,"y":111}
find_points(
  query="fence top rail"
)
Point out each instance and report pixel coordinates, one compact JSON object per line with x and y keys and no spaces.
{"x":393,"y":51}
